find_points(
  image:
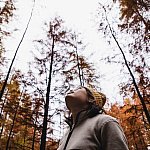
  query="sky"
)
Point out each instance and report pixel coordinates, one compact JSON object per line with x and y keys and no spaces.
{"x":78,"y":15}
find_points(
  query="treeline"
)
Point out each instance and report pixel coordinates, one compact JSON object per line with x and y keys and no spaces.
{"x":58,"y":66}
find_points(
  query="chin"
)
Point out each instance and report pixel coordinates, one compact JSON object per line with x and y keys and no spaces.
{"x":68,"y":97}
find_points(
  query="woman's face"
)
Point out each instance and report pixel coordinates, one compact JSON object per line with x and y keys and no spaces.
{"x":77,"y":98}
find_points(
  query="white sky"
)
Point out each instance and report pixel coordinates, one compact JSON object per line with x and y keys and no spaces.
{"x":78,"y":15}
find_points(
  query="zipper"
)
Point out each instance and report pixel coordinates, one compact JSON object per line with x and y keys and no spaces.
{"x":68,"y":138}
{"x":71,"y":130}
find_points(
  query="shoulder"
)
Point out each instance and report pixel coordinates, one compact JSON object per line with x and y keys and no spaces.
{"x":108,"y":124}
{"x":102,"y":119}
{"x":105,"y":117}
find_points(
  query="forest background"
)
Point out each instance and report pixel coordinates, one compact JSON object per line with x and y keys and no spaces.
{"x":67,"y":44}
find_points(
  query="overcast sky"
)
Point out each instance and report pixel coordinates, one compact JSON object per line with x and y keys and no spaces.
{"x":78,"y":15}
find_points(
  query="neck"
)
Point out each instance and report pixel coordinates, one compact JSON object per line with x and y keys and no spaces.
{"x":74,"y":115}
{"x":74,"y":112}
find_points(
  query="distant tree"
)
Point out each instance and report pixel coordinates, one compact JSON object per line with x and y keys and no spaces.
{"x":6,"y":12}
{"x":131,"y":118}
{"x":35,"y":114}
{"x":20,"y":114}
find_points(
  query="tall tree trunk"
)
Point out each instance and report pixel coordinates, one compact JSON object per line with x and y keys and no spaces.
{"x":142,"y":144}
{"x":79,"y":69}
{"x":46,"y":106}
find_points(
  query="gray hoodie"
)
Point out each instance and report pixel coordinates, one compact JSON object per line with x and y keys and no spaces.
{"x":101,"y":132}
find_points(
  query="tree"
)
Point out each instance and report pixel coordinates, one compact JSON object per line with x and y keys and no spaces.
{"x":131,"y":118}
{"x":6,"y":12}
{"x":134,"y":26}
{"x":57,"y":60}
{"x":14,"y":57}
{"x":137,"y":23}
{"x":20,"y":114}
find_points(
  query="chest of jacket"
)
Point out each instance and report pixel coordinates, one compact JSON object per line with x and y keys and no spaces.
{"x":85,"y":136}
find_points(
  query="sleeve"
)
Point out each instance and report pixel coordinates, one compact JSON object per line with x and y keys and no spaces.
{"x":112,"y":136}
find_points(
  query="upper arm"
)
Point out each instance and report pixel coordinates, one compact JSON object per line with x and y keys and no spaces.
{"x":112,"y":136}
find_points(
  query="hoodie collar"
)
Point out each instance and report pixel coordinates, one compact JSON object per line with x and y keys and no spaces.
{"x":81,"y":116}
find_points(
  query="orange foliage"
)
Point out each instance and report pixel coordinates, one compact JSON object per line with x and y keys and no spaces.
{"x":133,"y":122}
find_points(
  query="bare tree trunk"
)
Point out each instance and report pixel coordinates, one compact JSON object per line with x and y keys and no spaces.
{"x":142,"y":144}
{"x":46,"y":106}
{"x":24,"y":138}
{"x":79,"y":69}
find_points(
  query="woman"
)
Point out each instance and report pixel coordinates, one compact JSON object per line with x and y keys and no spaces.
{"x":90,"y":129}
